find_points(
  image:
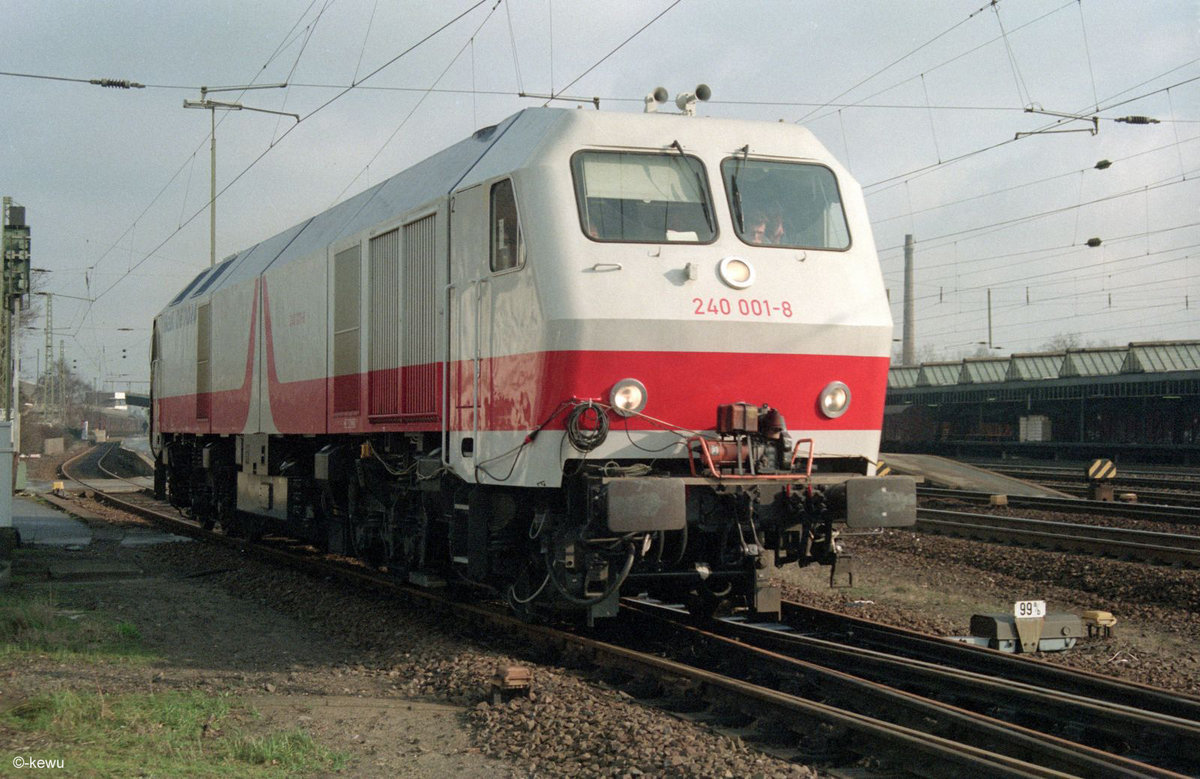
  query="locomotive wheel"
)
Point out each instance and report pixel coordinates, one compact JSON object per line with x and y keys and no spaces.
{"x":365,"y":542}
{"x":231,"y":525}
{"x":701,"y":605}
{"x":212,"y":507}
{"x":252,"y":527}
{"x":368,"y":547}
{"x":160,"y":480}
{"x":240,"y":524}
{"x":225,"y":514}
{"x":319,"y":536}
{"x":704,"y":602}
{"x":333,"y":521}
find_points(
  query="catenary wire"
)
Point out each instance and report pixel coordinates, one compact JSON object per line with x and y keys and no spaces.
{"x":557,"y":93}
{"x":286,"y":133}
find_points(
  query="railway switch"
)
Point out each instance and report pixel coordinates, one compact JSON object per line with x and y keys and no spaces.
{"x":1051,"y":633}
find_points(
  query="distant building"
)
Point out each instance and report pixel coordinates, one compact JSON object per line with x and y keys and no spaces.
{"x":1137,"y":402}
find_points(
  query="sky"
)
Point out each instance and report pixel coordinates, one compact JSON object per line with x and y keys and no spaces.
{"x":974,"y":126}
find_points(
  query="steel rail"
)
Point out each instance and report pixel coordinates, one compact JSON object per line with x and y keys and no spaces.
{"x":101,"y":453}
{"x":1167,"y":480}
{"x":1163,"y":513}
{"x":1001,"y":715}
{"x":112,"y":474}
{"x":1141,"y":545}
{"x":857,"y":631}
{"x":1048,"y":707}
{"x":907,"y":748}
{"x":1150,"y":497}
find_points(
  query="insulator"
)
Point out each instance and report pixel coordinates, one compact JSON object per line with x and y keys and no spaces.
{"x":117,"y":83}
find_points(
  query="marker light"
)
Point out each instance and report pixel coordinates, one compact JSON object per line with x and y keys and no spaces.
{"x":628,"y":397}
{"x":736,"y":272}
{"x":835,"y":399}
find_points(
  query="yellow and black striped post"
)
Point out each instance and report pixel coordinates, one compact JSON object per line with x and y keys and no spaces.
{"x":1100,"y":474}
{"x":1101,"y":470}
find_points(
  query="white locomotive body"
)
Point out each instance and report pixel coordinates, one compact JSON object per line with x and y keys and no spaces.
{"x":556,"y":358}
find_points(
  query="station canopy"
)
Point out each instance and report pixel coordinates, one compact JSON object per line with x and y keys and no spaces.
{"x":1093,"y":362}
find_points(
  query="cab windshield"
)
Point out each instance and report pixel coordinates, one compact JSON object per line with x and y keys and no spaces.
{"x":643,"y":197}
{"x":787,"y":204}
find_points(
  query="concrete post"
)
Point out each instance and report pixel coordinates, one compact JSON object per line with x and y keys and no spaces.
{"x":8,"y":534}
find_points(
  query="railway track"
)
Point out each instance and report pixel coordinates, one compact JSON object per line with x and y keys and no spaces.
{"x":101,"y":460}
{"x":1042,"y":714}
{"x":1159,"y":497}
{"x":1155,"y":512}
{"x":1180,"y":487}
{"x":1140,"y":545}
{"x":797,"y":690}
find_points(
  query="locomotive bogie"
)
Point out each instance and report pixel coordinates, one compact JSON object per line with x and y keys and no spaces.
{"x":505,"y":365}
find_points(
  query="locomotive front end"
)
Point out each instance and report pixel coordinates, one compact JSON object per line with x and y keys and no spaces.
{"x":721,"y":338}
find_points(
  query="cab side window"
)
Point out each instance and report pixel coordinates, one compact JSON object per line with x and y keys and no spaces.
{"x":507,"y":245}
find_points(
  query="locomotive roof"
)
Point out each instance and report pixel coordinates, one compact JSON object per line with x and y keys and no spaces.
{"x":488,"y":152}
{"x":425,"y":181}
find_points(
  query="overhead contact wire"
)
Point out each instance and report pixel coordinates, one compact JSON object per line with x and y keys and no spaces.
{"x":286,"y":133}
{"x":620,"y":46}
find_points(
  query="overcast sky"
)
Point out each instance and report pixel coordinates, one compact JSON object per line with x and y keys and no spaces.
{"x":922,"y":100}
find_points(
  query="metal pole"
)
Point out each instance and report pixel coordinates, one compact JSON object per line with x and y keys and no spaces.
{"x":6,"y":324}
{"x":9,"y":539}
{"x":212,"y":192}
{"x":60,"y":368}
{"x":989,"y":317}
{"x":909,"y":348}
{"x":48,"y":410}
{"x":211,"y":106}
{"x":16,"y":376}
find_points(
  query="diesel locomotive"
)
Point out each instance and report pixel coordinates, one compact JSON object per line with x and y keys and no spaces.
{"x":577,"y":355}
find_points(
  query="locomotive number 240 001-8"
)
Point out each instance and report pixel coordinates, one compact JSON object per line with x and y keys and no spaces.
{"x":756,"y":307}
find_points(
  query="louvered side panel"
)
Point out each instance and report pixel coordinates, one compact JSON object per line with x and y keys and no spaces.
{"x":384,"y":316}
{"x":420,"y":395}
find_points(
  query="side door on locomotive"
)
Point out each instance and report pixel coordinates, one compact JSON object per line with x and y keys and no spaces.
{"x":493,"y":326}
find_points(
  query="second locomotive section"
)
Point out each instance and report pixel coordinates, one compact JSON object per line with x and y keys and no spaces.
{"x":575,"y":355}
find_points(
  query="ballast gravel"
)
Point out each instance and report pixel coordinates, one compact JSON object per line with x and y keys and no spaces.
{"x":571,"y":725}
{"x":234,"y":625}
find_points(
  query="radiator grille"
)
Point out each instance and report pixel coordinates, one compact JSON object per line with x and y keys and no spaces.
{"x":420,"y":317}
{"x":384,"y":357}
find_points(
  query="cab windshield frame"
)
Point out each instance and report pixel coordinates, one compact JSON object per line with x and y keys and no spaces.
{"x":655,"y":197}
{"x":786,"y":204}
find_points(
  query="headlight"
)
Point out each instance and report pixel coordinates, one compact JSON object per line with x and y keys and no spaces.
{"x":628,"y":397}
{"x":835,"y":399}
{"x":736,"y":272}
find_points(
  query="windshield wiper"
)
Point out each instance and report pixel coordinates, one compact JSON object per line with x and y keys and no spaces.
{"x":701,"y":190}
{"x":735,"y":192}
